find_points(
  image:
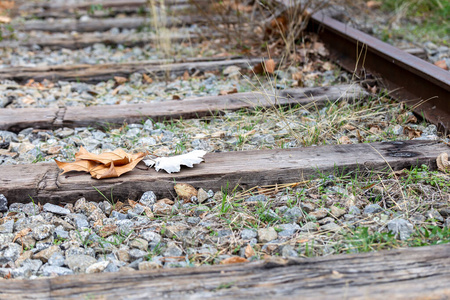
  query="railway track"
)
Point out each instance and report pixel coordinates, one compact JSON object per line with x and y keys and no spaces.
{"x":408,"y":79}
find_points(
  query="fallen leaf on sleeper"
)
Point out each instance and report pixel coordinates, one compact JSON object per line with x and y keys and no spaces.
{"x":105,"y":165}
{"x":173,"y":164}
{"x":234,"y":260}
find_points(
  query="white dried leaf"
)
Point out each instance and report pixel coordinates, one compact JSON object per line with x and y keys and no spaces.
{"x":173,"y":164}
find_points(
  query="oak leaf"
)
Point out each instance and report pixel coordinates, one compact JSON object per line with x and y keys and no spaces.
{"x":249,"y":252}
{"x":234,"y":260}
{"x":173,"y":163}
{"x":105,"y":165}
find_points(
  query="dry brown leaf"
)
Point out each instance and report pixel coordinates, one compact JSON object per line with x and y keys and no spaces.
{"x":320,"y":49}
{"x":442,"y":162}
{"x":348,"y":127}
{"x":234,"y":260}
{"x":441,"y":64}
{"x":223,"y":92}
{"x":266,"y":67}
{"x":186,"y":75}
{"x":21,"y":234}
{"x":120,"y":80}
{"x":105,"y":165}
{"x":412,"y":133}
{"x":185,"y":191}
{"x":269,"y":66}
{"x":147,"y":78}
{"x":400,"y":173}
{"x":375,"y":129}
{"x":6,"y":5}
{"x":5,"y":19}
{"x":249,"y":252}
{"x":327,"y":66}
{"x":373,"y":4}
{"x":344,"y":140}
{"x":166,"y":201}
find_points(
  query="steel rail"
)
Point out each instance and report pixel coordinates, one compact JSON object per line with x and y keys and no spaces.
{"x":421,"y":85}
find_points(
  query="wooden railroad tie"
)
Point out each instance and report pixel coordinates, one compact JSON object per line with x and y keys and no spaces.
{"x":99,"y":116}
{"x":247,"y":169}
{"x":412,"y":273}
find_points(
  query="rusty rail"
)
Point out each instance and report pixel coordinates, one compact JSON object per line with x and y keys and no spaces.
{"x":421,"y":85}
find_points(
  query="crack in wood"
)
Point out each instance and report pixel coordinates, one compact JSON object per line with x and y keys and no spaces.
{"x":59,"y":117}
{"x":49,"y":181}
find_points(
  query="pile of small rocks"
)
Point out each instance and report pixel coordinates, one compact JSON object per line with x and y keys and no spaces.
{"x":90,"y":237}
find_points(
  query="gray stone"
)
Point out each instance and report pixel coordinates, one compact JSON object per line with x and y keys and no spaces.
{"x":137,"y":254}
{"x":266,"y":235}
{"x":106,"y":207}
{"x":55,"y":209}
{"x":149,"y":265}
{"x":224,"y":233}
{"x":309,"y":226}
{"x":288,"y":230}
{"x":147,"y":141}
{"x":125,"y":226}
{"x":326,"y":221}
{"x":401,"y":227}
{"x":353,"y":210}
{"x":32,"y":264}
{"x":148,"y":199}
{"x":42,"y":232}
{"x":318,"y":214}
{"x":447,"y":223}
{"x":3,"y":203}
{"x":7,"y":227}
{"x":293,"y":214}
{"x":118,"y":215}
{"x":47,"y":253}
{"x":139,"y":243}
{"x":60,"y":234}
{"x":434,"y":214}
{"x":8,"y":136}
{"x":248,"y":234}
{"x":30,"y":209}
{"x":57,"y":259}
{"x":333,"y":227}
{"x":397,"y":130}
{"x":113,"y":266}
{"x":6,"y":238}
{"x":288,"y":251}
{"x":81,"y":222}
{"x":307,"y":206}
{"x":79,"y":263}
{"x":135,"y":264}
{"x":256,"y":198}
{"x":173,"y":251}
{"x":337,"y":212}
{"x":148,"y":125}
{"x":9,"y":253}
{"x":96,"y":214}
{"x":193,"y":220}
{"x":372,"y":209}
{"x":55,"y":270}
{"x":97,"y":267}
{"x":151,"y":236}
{"x":445,"y":212}
{"x":202,"y":195}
